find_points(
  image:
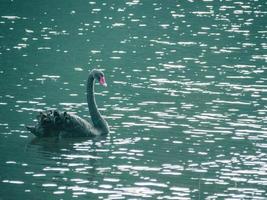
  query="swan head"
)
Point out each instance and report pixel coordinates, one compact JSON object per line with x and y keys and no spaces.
{"x":99,"y":76}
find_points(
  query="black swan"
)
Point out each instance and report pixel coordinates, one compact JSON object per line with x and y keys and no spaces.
{"x":63,"y":124}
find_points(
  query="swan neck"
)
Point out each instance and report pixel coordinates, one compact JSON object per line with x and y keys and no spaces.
{"x":96,"y":117}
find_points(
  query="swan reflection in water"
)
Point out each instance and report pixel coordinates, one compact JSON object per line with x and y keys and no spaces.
{"x":73,"y":157}
{"x":63,"y":124}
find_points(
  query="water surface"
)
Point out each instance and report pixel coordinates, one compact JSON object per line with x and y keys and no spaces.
{"x":186,"y":99}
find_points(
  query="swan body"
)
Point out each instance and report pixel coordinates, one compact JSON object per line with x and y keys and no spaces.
{"x":63,"y":124}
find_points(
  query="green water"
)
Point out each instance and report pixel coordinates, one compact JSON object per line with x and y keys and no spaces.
{"x":186,"y":98}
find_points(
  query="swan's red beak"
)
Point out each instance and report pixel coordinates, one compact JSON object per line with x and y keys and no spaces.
{"x":102,"y":81}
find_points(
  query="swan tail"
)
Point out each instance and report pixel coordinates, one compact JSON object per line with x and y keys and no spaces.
{"x":33,"y":130}
{"x":30,"y":128}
